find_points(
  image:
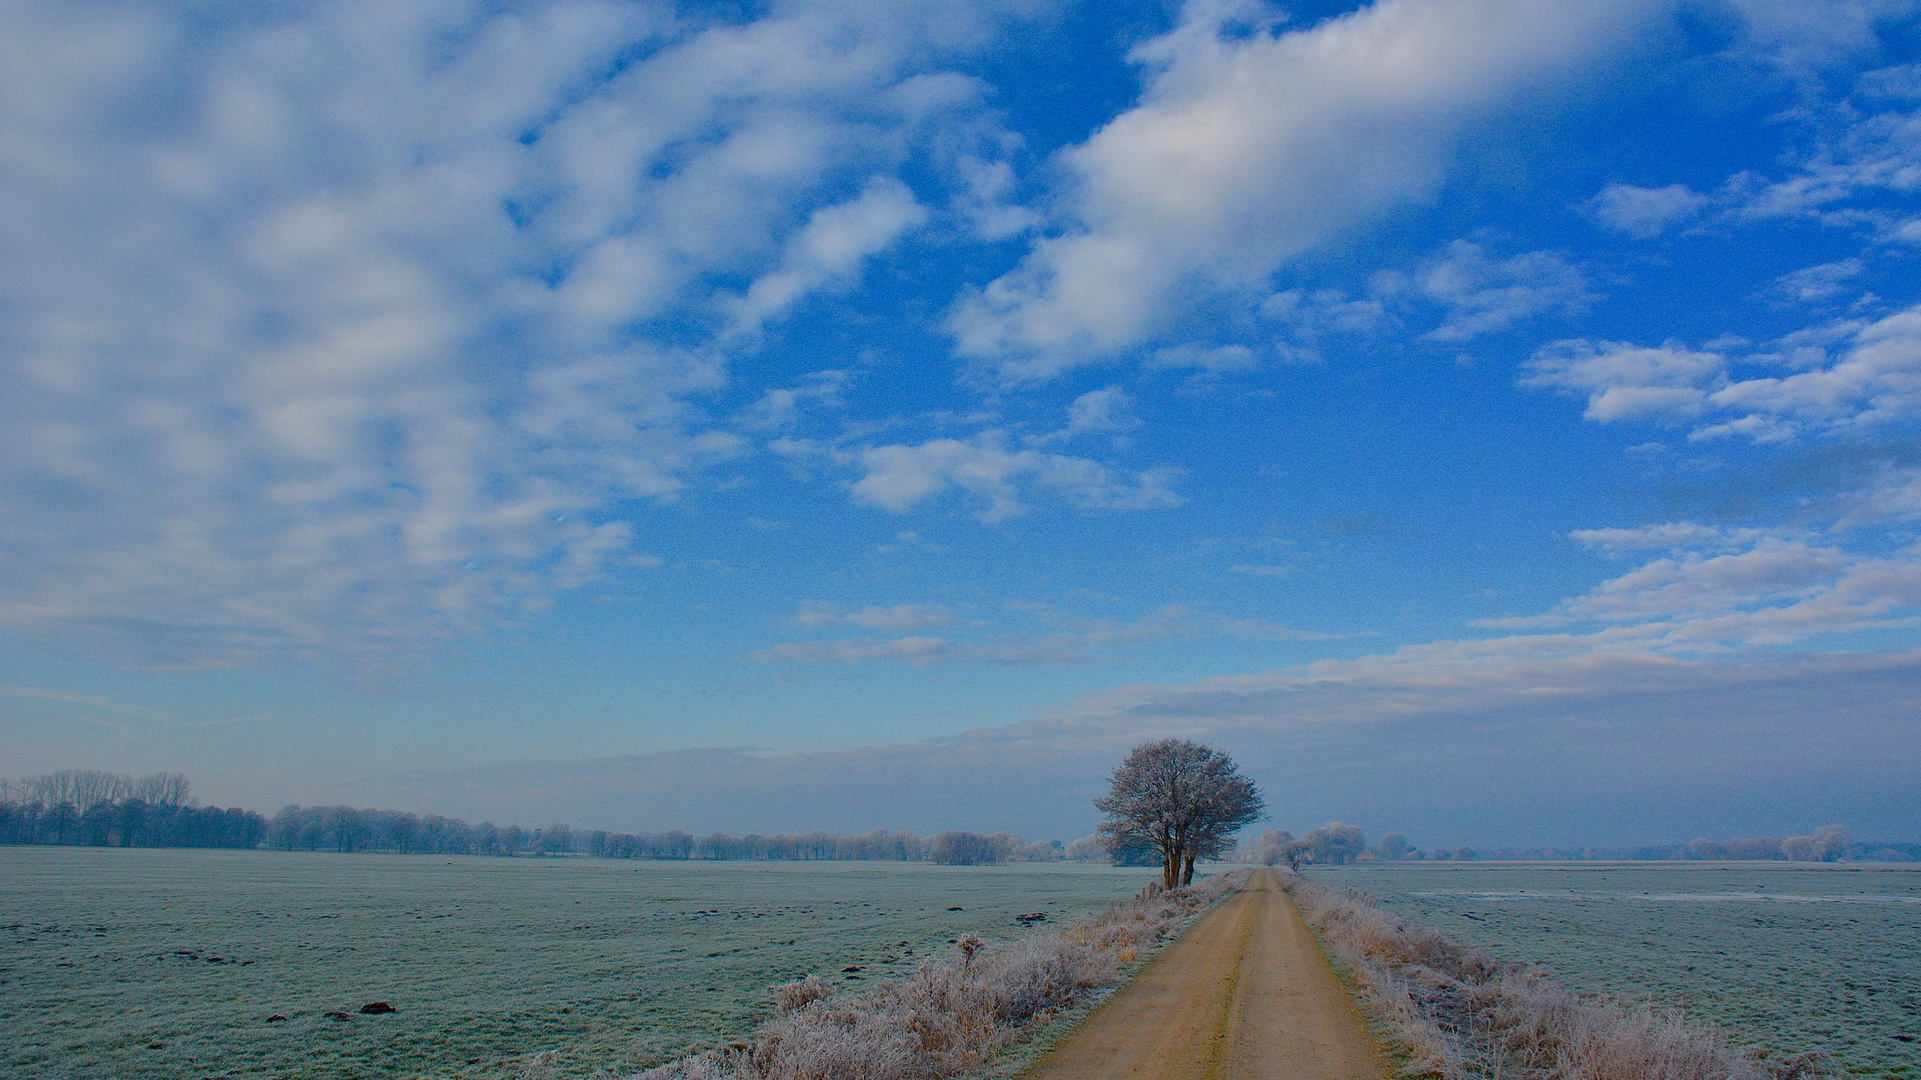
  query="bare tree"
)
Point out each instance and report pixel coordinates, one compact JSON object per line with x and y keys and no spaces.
{"x":1181,"y":798}
{"x":163,"y":789}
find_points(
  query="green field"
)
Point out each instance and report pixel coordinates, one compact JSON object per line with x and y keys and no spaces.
{"x":166,"y":963}
{"x":1789,"y":957}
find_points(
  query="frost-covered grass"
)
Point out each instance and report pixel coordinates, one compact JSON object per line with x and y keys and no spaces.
{"x":1452,"y":1010}
{"x":615,"y":964}
{"x":1784,"y":958}
{"x":955,"y":1012}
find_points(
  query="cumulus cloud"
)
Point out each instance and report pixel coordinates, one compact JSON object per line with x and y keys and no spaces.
{"x":899,"y":477}
{"x":327,"y":329}
{"x":1250,"y":147}
{"x":1101,"y":412}
{"x":1626,"y":381}
{"x":835,"y":242}
{"x":1645,"y":213}
{"x":1109,"y":412}
{"x":1872,"y":383}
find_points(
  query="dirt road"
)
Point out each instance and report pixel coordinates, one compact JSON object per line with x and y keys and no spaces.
{"x":1245,"y":994}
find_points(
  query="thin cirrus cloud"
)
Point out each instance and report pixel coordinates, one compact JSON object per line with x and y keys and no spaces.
{"x":1249,"y":147}
{"x":1073,"y":642}
{"x":338,"y":309}
{"x":1484,"y":295}
{"x":896,"y":619}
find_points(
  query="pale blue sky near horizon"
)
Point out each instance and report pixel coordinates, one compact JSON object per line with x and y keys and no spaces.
{"x":1491,"y":420}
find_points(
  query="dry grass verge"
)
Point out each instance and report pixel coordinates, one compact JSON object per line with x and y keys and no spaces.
{"x":951,"y":1016}
{"x":1453,"y":1012}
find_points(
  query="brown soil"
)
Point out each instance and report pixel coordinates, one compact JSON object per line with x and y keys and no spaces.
{"x":1245,"y":993}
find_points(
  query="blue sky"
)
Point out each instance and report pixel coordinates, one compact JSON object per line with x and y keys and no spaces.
{"x":1491,"y":420}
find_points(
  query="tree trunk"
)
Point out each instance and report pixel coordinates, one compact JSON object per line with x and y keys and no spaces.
{"x":1187,"y":869}
{"x":1171,"y":864}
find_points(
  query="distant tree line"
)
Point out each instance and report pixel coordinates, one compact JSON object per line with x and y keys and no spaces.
{"x":100,"y":809}
{"x":947,"y":848}
{"x":1336,"y":844}
{"x":345,"y":828}
{"x":1829,"y":844}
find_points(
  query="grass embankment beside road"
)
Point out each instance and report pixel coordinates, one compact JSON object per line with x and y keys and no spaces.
{"x":1456,"y":1013}
{"x":956,"y":1015}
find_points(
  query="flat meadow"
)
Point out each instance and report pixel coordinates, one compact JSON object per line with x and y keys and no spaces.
{"x":1784,"y":956}
{"x":128,"y":963}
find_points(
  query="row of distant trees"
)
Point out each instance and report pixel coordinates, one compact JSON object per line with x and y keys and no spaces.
{"x":946,"y":848}
{"x":101,"y":809}
{"x":1830,"y":844}
{"x":1336,"y":844}
{"x":98,"y":809}
{"x":344,"y":828}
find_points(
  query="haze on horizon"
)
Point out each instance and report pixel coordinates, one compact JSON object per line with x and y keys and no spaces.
{"x":1489,"y":420}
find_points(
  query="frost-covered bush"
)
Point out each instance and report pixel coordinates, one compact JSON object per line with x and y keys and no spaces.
{"x":953,"y":1013}
{"x":1457,"y":1013}
{"x":800,"y":993}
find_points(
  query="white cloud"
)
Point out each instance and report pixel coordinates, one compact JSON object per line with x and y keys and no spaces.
{"x":928,"y":652}
{"x":1876,"y":380}
{"x":1214,"y":360}
{"x":1099,"y":411}
{"x":1732,"y":588}
{"x":1801,"y":35}
{"x":325,"y":332}
{"x":1071,"y":642}
{"x":1247,"y":149}
{"x":1645,"y":213}
{"x":898,"y":477}
{"x":834,"y":243}
{"x":1816,"y":283}
{"x":1856,"y":156}
{"x":1674,"y":534}
{"x":1625,"y":381}
{"x":989,"y":184}
{"x":900,"y":618}
{"x":1483,"y":296}
{"x":1315,"y":314}
{"x":782,"y":407}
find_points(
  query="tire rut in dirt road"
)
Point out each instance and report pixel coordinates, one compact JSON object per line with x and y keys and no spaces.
{"x":1244,"y":994}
